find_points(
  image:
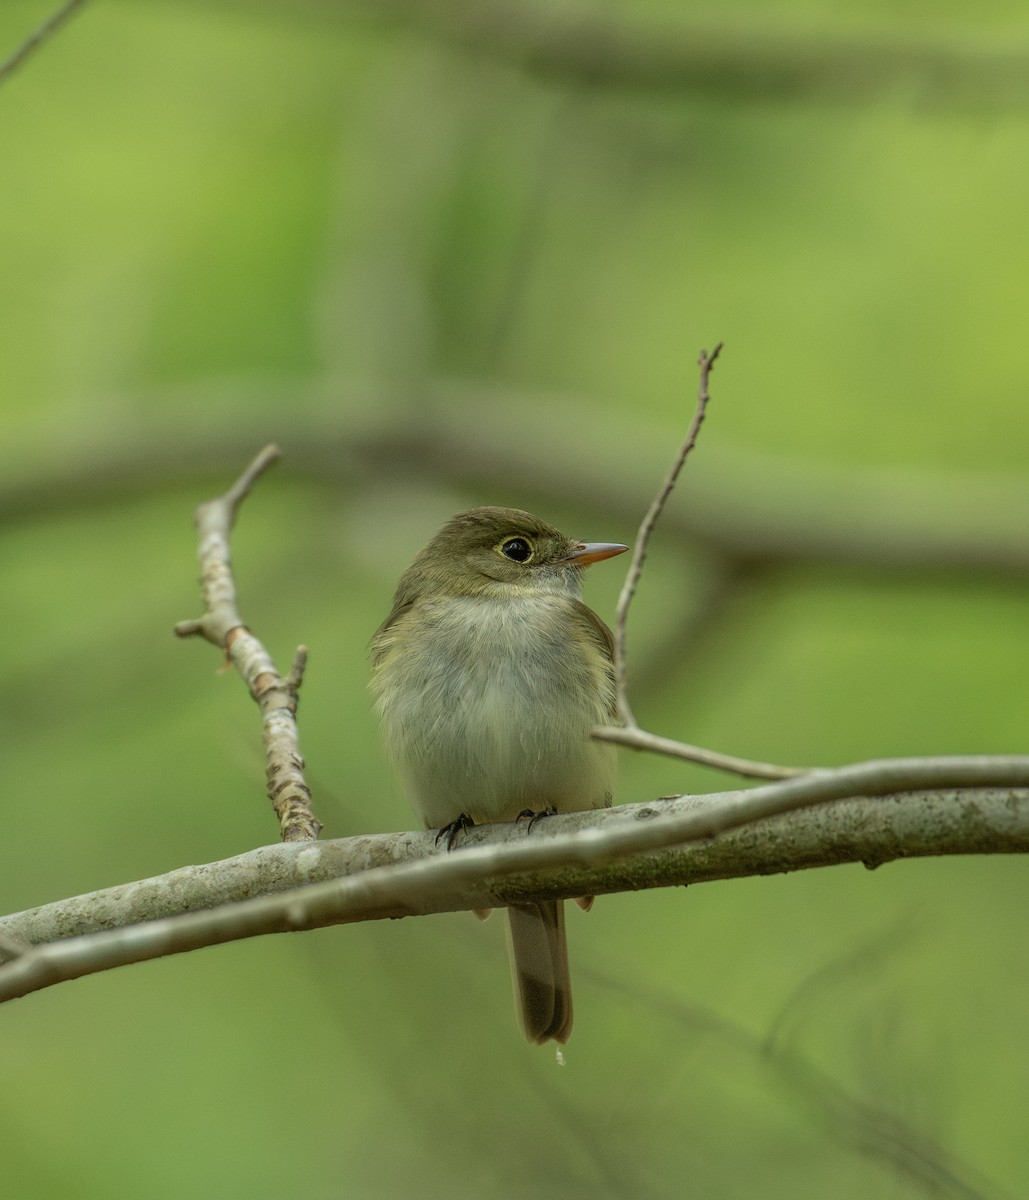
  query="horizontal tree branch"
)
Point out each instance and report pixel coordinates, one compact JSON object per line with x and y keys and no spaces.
{"x":620,"y":849}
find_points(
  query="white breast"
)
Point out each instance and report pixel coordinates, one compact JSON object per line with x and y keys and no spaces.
{"x":491,"y":714}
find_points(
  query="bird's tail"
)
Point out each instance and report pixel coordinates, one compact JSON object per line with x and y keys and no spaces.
{"x":539,"y":966}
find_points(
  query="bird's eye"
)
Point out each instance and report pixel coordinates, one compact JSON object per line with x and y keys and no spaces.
{"x":517,"y":549}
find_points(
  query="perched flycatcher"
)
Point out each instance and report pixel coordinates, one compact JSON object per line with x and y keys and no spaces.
{"x":489,"y":674}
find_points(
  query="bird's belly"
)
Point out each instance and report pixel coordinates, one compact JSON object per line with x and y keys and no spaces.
{"x":493,"y":730}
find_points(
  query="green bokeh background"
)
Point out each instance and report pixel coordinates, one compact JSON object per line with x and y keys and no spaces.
{"x":227,"y":223}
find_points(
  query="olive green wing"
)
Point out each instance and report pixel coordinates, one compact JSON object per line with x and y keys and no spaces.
{"x":599,"y":633}
{"x":403,"y":602}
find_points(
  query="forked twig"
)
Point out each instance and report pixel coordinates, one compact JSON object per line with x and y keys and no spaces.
{"x":629,"y":733}
{"x":275,"y":695}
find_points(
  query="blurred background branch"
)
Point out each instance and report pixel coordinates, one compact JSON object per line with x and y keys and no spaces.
{"x":38,"y":38}
{"x":753,"y":509}
{"x":730,"y":61}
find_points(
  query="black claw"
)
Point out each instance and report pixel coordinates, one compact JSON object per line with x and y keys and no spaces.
{"x":532,"y":816}
{"x":449,"y":832}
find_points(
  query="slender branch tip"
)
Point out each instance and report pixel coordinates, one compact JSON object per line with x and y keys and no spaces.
{"x":707,"y":361}
{"x":260,"y":463}
{"x":639,"y":554}
{"x":296,"y":672}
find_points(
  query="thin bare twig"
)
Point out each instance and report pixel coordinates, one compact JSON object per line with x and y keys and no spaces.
{"x":276,"y":696}
{"x":296,"y":672}
{"x":639,"y":739}
{"x":36,"y":39}
{"x":639,"y":553}
{"x":630,"y":734}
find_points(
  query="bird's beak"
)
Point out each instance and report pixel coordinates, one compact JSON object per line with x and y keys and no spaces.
{"x":591,"y":552}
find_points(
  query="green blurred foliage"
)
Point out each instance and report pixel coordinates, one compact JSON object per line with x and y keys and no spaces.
{"x":225,"y":223}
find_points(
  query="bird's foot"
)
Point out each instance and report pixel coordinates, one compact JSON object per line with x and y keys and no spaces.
{"x":532,"y":816}
{"x":448,"y":833}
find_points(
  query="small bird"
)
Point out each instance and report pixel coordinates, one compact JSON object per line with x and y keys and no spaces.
{"x":489,"y":674}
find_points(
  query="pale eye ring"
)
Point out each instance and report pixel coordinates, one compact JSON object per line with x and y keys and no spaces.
{"x":515,"y":548}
